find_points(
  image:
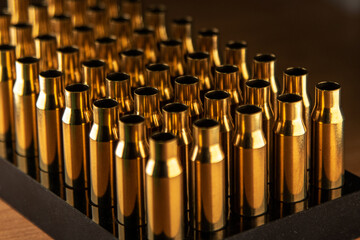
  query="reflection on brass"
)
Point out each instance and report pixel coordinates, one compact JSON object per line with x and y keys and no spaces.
{"x":18,"y":10}
{"x":45,"y":48}
{"x":164,"y":189}
{"x":187,"y":92}
{"x":157,"y":75}
{"x":132,"y":153}
{"x":133,"y":64}
{"x":250,"y":165}
{"x":155,"y":20}
{"x":7,"y":151}
{"x":94,"y":77}
{"x":181,"y":30}
{"x":147,"y":104}
{"x":56,"y":7}
{"x":20,"y":37}
{"x":319,"y":196}
{"x":76,"y":9}
{"x":286,"y":209}
{"x":130,"y":233}
{"x":39,"y":19}
{"x":60,"y":26}
{"x":134,"y":9}
{"x":28,"y":165}
{"x":78,"y":199}
{"x":83,"y":37}
{"x":172,"y":54}
{"x":328,"y":137}
{"x":208,"y":201}
{"x":247,"y":223}
{"x":120,"y":28}
{"x":54,"y":182}
{"x":68,"y":60}
{"x":208,"y":42}
{"x":144,"y":39}
{"x":105,"y":217}
{"x":290,"y":183}
{"x":4,"y":27}
{"x":98,"y":20}
{"x":105,"y":49}
{"x":112,"y":8}
{"x":118,"y":88}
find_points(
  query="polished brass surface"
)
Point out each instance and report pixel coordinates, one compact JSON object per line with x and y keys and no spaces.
{"x":94,"y":76}
{"x":164,"y":189}
{"x":79,"y":199}
{"x":157,"y":75}
{"x":120,"y":28}
{"x":250,"y":163}
{"x":25,"y":91}
{"x":105,"y":49}
{"x":133,"y":64}
{"x":171,"y":53}
{"x":155,"y":20}
{"x":56,"y":7}
{"x":28,"y":165}
{"x":147,"y":104}
{"x":60,"y":26}
{"x":39,"y":19}
{"x":118,"y":88}
{"x":4,"y":27}
{"x":134,"y":9}
{"x":54,"y":182}
{"x":144,"y":39}
{"x":112,"y":8}
{"x":76,"y":9}
{"x":68,"y":61}
{"x":290,"y":183}
{"x":105,"y":217}
{"x":45,"y":50}
{"x":208,"y":42}
{"x":208,"y":201}
{"x":98,"y":20}
{"x":328,"y":137}
{"x":18,"y":10}
{"x":258,"y":93}
{"x":181,"y":30}
{"x":319,"y":196}
{"x":83,"y":37}
{"x":20,"y":37}
{"x":130,"y":233}
{"x":132,"y":153}
{"x":286,"y":209}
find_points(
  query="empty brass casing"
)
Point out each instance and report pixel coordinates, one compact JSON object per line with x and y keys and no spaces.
{"x":226,"y":78}
{"x":18,"y":10}
{"x":217,"y":107}
{"x":208,"y":42}
{"x":144,"y":39}
{"x":147,"y":104}
{"x":76,"y":9}
{"x":39,"y":19}
{"x":164,"y":189}
{"x":25,"y":91}
{"x":295,"y":81}
{"x":45,"y":48}
{"x":94,"y":77}
{"x":4,"y":27}
{"x":172,"y":54}
{"x":134,"y":9}
{"x":7,"y":79}
{"x":20,"y":36}
{"x":328,"y":137}
{"x":105,"y":49}
{"x":60,"y":26}
{"x":98,"y":20}
{"x":158,"y":76}
{"x":208,"y":204}
{"x":83,"y":37}
{"x":155,"y":20}
{"x":263,"y":67}
{"x":133,"y":63}
{"x":176,"y":121}
{"x":132,"y":153}
{"x":235,"y":54}
{"x":187,"y":92}
{"x":118,"y":88}
{"x":68,"y":60}
{"x":120,"y":28}
{"x":258,"y":93}
{"x":290,"y":150}
{"x":56,"y":7}
{"x":181,"y":30}
{"x":250,"y":163}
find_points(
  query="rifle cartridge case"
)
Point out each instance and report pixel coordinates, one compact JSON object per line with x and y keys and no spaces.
{"x":250,"y":165}
{"x":328,"y":137}
{"x":68,"y":61}
{"x":286,"y":209}
{"x":129,"y":233}
{"x":76,"y":9}
{"x":144,"y":39}
{"x":171,"y":53}
{"x":83,"y":37}
{"x":208,"y":201}
{"x":54,"y":182}
{"x":319,"y":196}
{"x":4,"y":27}
{"x":290,"y":183}
{"x":120,"y":28}
{"x":39,"y":19}
{"x":56,"y":7}
{"x":155,"y":20}
{"x":112,"y":8}
{"x":133,"y":64}
{"x":78,"y":199}
{"x":21,"y":38}
{"x":94,"y":77}
{"x":208,"y":42}
{"x":18,"y":10}
{"x":132,"y":153}
{"x":134,"y":9}
{"x":98,"y":20}
{"x":181,"y":30}
{"x":60,"y":26}
{"x":157,"y":75}
{"x":45,"y":50}
{"x":164,"y":189}
{"x":28,"y":165}
{"x":105,"y":49}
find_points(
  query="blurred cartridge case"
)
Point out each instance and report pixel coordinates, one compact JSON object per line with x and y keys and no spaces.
{"x":208,"y":203}
{"x":132,"y":153}
{"x":118,"y":88}
{"x":7,"y":79}
{"x":133,"y":64}
{"x":250,"y":163}
{"x":18,"y":10}
{"x":120,"y":28}
{"x":164,"y":189}
{"x":187,"y":92}
{"x":328,"y":137}
{"x":258,"y":93}
{"x":181,"y":30}
{"x":39,"y":19}
{"x":172,"y":54}
{"x":147,"y":104}
{"x":235,"y":54}
{"x":155,"y":20}
{"x":68,"y":61}
{"x":98,"y":20}
{"x":208,"y":42}
{"x":158,"y":76}
{"x":112,"y":8}
{"x":83,"y":37}
{"x":45,"y":50}
{"x":4,"y":27}
{"x":20,"y":36}
{"x":60,"y":26}
{"x":55,"y":7}
{"x":76,"y":9}
{"x":290,"y":184}
{"x":144,"y":39}
{"x":105,"y":49}
{"x":134,"y":9}
{"x":94,"y":77}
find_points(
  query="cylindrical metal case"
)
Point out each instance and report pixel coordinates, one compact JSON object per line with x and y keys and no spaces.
{"x":181,"y":30}
{"x":250,"y":167}
{"x":21,"y":38}
{"x":208,"y":42}
{"x":94,"y":77}
{"x":98,"y":20}
{"x":76,"y":9}
{"x":45,"y":48}
{"x":39,"y":19}
{"x":105,"y":49}
{"x":60,"y":26}
{"x":328,"y":137}
{"x":208,"y":204}
{"x":290,"y":183}
{"x":69,"y":65}
{"x":164,"y":189}
{"x":56,"y":7}
{"x":171,"y":53}
{"x":120,"y":28}
{"x":157,"y":75}
{"x":132,"y":154}
{"x":112,"y":8}
{"x":134,"y":9}
{"x":144,"y":39}
{"x":18,"y":10}
{"x":83,"y":37}
{"x":133,"y":64}
{"x":4,"y":27}
{"x":155,"y":20}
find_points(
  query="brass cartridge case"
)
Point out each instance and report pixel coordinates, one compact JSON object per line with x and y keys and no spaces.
{"x":286,"y":209}
{"x":105,"y":49}
{"x":258,"y":93}
{"x":208,"y":201}
{"x":290,"y":184}
{"x":76,"y":9}
{"x":60,"y":26}
{"x":118,"y":88}
{"x":319,"y":196}
{"x":94,"y":77}
{"x":164,"y":189}
{"x":56,"y":7}
{"x":28,"y":165}
{"x":133,"y":64}
{"x":45,"y":50}
{"x":7,"y":79}
{"x":328,"y":137}
{"x":120,"y":28}
{"x":83,"y":37}
{"x":20,"y":37}
{"x":68,"y":60}
{"x":129,"y":233}
{"x":98,"y":20}
{"x":187,"y":92}
{"x":4,"y":27}
{"x":78,"y":199}
{"x":39,"y":19}
{"x":181,"y":30}
{"x":155,"y":20}
{"x":172,"y":54}
{"x":263,"y":67}
{"x":208,"y":42}
{"x":25,"y":91}
{"x":158,"y":76}
{"x":235,"y":54}
{"x":144,"y":39}
{"x":54,"y":182}
{"x":18,"y":10}
{"x":250,"y":163}
{"x":134,"y":9}
{"x":112,"y":8}
{"x":132,"y":153}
